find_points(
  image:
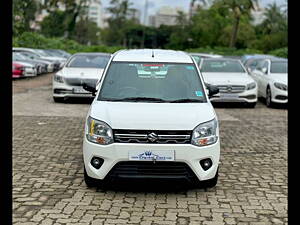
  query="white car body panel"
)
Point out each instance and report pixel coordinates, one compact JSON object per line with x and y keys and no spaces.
{"x":77,"y":73}
{"x":229,"y":79}
{"x":162,"y":115}
{"x":268,"y":79}
{"x":151,"y":116}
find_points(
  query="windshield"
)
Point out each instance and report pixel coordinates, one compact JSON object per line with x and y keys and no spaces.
{"x":17,"y":56}
{"x":42,"y":53}
{"x":279,"y":67}
{"x":152,"y":82}
{"x":196,"y":58}
{"x":223,"y":66}
{"x":30,"y":55}
{"x":89,"y":61}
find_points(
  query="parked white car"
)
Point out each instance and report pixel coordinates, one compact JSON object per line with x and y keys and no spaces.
{"x":152,"y":119}
{"x":271,"y":77}
{"x":232,"y":79}
{"x":198,"y":56}
{"x":80,"y":68}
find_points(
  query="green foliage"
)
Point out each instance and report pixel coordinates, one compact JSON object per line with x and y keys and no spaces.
{"x":225,"y":51}
{"x":33,"y":40}
{"x":86,"y":32}
{"x":23,"y":14}
{"x":281,"y":52}
{"x":54,"y":25}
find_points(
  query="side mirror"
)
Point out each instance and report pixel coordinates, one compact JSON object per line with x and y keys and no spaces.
{"x":264,"y":70}
{"x":91,"y":87}
{"x":212,"y":90}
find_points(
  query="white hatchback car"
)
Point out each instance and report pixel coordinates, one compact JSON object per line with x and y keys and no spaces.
{"x":271,"y":77}
{"x":80,"y":68}
{"x":232,"y":79}
{"x":151,"y":118}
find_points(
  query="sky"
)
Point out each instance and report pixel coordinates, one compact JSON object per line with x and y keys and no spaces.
{"x":154,"y":5}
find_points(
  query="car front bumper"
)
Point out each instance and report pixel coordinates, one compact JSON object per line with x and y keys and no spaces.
{"x":248,"y":96}
{"x":279,"y":96}
{"x":119,"y":152}
{"x":63,"y":90}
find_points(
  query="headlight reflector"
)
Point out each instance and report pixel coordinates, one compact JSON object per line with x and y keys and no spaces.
{"x":281,"y":86}
{"x":205,"y":133}
{"x":58,"y":78}
{"x":99,"y":132}
{"x":251,"y":86}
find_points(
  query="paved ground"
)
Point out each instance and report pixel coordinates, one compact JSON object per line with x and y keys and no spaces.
{"x":48,"y":186}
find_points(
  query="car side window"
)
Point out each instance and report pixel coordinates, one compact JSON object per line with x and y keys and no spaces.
{"x":259,"y":65}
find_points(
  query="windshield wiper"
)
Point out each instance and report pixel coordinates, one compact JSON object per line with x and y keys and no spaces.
{"x":186,"y":100}
{"x":136,"y":99}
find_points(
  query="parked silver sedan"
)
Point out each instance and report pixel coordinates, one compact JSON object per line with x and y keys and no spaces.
{"x":79,"y":69}
{"x":232,"y":79}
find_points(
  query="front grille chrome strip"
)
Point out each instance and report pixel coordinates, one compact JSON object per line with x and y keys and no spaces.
{"x":130,"y":136}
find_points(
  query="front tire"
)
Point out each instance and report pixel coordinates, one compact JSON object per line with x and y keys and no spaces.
{"x":269,"y":102}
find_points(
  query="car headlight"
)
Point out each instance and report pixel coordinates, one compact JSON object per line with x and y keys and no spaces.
{"x":281,"y":86}
{"x":251,"y":86}
{"x":99,"y":132}
{"x":58,"y":78}
{"x":205,"y":133}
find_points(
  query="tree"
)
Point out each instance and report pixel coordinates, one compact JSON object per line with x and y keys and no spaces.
{"x":23,"y":13}
{"x":238,"y":9}
{"x":73,"y":9}
{"x":86,"y":32}
{"x":275,"y":20}
{"x":120,"y":19}
{"x":54,"y":25}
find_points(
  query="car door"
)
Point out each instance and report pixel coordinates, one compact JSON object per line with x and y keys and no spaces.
{"x":264,"y":79}
{"x":257,"y":74}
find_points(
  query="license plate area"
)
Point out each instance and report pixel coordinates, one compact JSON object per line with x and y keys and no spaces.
{"x":80,"y":91}
{"x":151,"y":155}
{"x":229,"y":95}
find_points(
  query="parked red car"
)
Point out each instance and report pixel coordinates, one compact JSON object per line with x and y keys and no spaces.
{"x":18,"y":70}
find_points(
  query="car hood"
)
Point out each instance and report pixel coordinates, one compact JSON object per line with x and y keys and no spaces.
{"x":83,"y":73}
{"x":279,"y":77}
{"x":227,"y":78}
{"x":152,"y":116}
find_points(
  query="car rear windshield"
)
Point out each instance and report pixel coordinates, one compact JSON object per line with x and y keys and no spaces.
{"x":222,"y":66}
{"x":152,"y":82}
{"x":89,"y":61}
{"x":279,"y":67}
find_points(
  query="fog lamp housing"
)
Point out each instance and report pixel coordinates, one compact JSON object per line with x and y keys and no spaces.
{"x":97,"y":162}
{"x":206,"y":164}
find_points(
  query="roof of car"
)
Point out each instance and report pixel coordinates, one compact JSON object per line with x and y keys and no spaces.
{"x":152,"y":55}
{"x":278,"y":60}
{"x":92,"y":53}
{"x":205,"y":55}
{"x":221,"y":59}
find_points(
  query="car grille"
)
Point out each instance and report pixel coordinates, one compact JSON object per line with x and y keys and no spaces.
{"x":138,"y":169}
{"x":162,"y":137}
{"x":231,"y":88}
{"x":79,"y":81}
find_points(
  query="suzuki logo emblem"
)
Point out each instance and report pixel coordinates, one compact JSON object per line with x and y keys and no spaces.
{"x":152,"y":137}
